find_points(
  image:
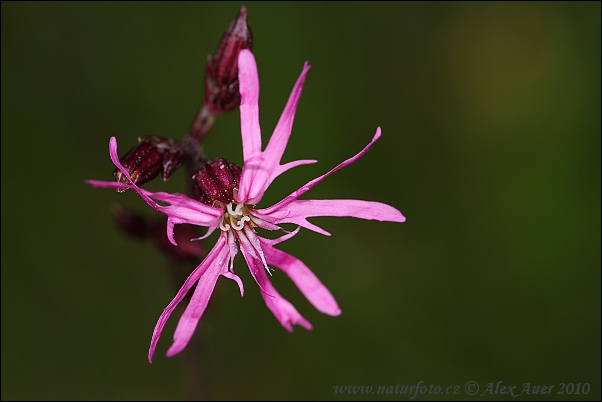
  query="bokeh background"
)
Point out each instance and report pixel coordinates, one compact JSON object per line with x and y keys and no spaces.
{"x":491,"y":148}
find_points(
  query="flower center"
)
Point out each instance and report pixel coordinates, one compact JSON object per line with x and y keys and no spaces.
{"x":238,"y":223}
{"x":235,"y":217}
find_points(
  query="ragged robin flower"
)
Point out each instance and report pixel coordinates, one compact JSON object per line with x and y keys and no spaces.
{"x":227,"y":200}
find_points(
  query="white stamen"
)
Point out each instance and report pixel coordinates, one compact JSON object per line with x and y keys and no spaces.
{"x":238,"y":210}
{"x":238,"y":228}
{"x":230,"y":211}
{"x":241,"y":223}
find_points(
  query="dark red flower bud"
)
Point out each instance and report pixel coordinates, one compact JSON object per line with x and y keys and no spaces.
{"x":134,"y":224}
{"x":173,"y":158}
{"x":221,"y":75}
{"x":150,"y":157}
{"x":216,"y":182}
{"x":143,"y":162}
{"x":138,"y":226}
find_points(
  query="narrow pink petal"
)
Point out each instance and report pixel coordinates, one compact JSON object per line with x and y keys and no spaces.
{"x":180,"y":203}
{"x":107,"y":184}
{"x":195,"y":309}
{"x":259,"y":175}
{"x":172,"y":221}
{"x":282,"y":132}
{"x":198,"y":303}
{"x":268,"y":167}
{"x":114,"y":155}
{"x":185,"y":210}
{"x":282,"y":309}
{"x":297,"y":211}
{"x":287,"y":166}
{"x":263,"y":223}
{"x":215,"y":256}
{"x":192,"y":215}
{"x":303,"y":277}
{"x":298,"y":193}
{"x":236,"y":279}
{"x":248,"y":82}
{"x":262,"y":181}
{"x":252,"y":172}
{"x":280,"y":239}
{"x":184,"y":202}
{"x":261,"y":168}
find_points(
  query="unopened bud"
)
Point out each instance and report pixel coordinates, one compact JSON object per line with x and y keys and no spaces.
{"x":134,"y":224}
{"x":138,"y":226}
{"x":150,"y":157}
{"x":221,"y":76}
{"x":143,"y":162}
{"x":173,"y":158}
{"x":217,"y":182}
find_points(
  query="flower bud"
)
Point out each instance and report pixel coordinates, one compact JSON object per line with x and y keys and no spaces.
{"x":216,"y":182}
{"x":173,"y":158}
{"x":152,"y":156}
{"x":139,"y":227}
{"x":134,"y":224}
{"x":221,"y":76}
{"x":143,"y":162}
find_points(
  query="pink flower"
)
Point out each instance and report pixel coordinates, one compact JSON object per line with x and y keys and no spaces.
{"x":238,"y":219}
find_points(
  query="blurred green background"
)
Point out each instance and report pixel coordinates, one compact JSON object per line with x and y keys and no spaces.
{"x":491,"y":148}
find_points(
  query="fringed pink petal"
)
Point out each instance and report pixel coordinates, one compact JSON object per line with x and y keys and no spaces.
{"x":285,"y":237}
{"x":236,"y":279}
{"x":282,"y":309}
{"x":282,"y":132}
{"x":210,"y":264}
{"x":108,"y":184}
{"x":248,"y":82}
{"x":261,"y":168}
{"x":195,"y":309}
{"x":297,"y":212}
{"x":307,"y":282}
{"x":298,"y":193}
{"x":270,"y":168}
